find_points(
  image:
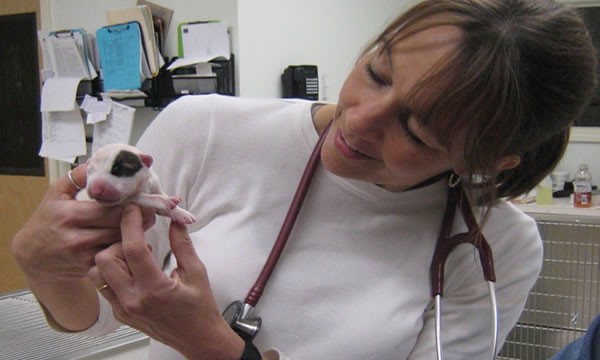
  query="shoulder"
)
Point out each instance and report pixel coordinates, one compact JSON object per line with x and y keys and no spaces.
{"x":515,"y":241}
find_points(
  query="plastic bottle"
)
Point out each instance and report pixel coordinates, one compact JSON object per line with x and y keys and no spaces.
{"x":582,"y":197}
{"x":543,"y":192}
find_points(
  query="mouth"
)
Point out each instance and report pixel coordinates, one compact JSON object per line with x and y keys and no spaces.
{"x":348,"y":150}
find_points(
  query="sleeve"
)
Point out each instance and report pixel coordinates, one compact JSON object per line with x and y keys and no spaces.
{"x":466,"y":326}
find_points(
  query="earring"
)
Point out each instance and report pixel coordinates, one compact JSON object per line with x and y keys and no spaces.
{"x":453,"y":180}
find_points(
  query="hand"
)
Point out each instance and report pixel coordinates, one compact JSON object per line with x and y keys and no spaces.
{"x":178,"y":310}
{"x":62,"y":237}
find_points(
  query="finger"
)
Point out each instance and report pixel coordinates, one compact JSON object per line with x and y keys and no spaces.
{"x":149,"y":217}
{"x":183,"y":247}
{"x":135,"y":251}
{"x":111,"y":269}
{"x":64,"y":188}
{"x":89,"y":214}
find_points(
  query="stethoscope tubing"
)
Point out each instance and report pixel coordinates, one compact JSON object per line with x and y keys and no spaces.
{"x":438,"y":322}
{"x":258,"y":288}
{"x":239,"y":314}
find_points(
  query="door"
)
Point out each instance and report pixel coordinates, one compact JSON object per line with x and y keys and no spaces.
{"x":19,"y":192}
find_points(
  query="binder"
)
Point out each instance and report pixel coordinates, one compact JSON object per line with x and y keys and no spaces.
{"x":143,"y":15}
{"x":123,"y":63}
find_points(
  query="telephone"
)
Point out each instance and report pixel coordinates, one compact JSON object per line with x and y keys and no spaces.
{"x":301,"y":81}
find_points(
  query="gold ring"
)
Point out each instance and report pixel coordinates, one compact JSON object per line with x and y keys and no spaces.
{"x":103,"y":287}
{"x":73,"y":180}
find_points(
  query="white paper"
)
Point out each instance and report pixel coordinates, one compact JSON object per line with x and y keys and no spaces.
{"x":208,"y":39}
{"x":66,"y":58}
{"x":178,"y":63}
{"x":58,"y":94}
{"x":63,"y":135}
{"x":96,"y":110}
{"x":203,"y":42}
{"x":116,"y":129}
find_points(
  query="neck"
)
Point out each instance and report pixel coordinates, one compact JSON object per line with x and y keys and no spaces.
{"x":322,"y":117}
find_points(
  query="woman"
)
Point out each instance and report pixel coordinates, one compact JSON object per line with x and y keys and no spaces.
{"x":484,"y":90}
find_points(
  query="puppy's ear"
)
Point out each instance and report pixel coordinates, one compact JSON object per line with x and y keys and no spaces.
{"x":147,"y":159}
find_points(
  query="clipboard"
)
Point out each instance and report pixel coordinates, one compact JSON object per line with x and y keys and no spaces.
{"x":122,"y":58}
{"x":78,"y":35}
{"x":143,"y":16}
{"x":67,"y":51}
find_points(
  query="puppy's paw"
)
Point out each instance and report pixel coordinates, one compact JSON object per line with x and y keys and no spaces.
{"x":171,"y":202}
{"x":182,"y":216}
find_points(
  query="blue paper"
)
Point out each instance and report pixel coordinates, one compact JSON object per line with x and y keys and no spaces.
{"x":120,"y":52}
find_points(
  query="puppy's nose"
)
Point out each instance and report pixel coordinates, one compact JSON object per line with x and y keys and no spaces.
{"x":104,"y":192}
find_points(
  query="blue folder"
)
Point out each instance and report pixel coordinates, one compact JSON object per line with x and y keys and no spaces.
{"x":121,"y":55}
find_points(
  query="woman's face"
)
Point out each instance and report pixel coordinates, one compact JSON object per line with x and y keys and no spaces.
{"x":374,"y":136}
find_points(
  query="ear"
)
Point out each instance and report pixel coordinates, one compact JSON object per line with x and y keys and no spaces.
{"x":508,"y":162}
{"x":147,"y":159}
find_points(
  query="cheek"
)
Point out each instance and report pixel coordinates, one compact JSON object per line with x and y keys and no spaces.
{"x":350,"y":87}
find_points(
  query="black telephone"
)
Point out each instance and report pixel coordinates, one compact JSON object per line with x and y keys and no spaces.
{"x":301,"y":81}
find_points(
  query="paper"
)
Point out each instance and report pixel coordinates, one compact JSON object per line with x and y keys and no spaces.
{"x":202,"y":42}
{"x":58,"y":94}
{"x":116,"y":129}
{"x":179,"y":63}
{"x":159,"y":12}
{"x":63,"y":135}
{"x":65,"y":54}
{"x":96,"y":110}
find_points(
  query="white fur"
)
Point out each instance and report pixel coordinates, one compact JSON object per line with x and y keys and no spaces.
{"x":143,"y":188}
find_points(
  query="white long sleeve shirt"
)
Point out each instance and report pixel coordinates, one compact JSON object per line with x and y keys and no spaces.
{"x":353,"y":281}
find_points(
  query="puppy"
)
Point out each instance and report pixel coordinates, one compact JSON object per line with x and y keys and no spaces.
{"x":119,"y":174}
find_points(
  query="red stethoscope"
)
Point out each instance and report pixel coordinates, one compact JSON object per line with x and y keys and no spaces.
{"x":240,"y":316}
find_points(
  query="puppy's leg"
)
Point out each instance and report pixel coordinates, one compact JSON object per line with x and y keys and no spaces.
{"x":166,"y":206}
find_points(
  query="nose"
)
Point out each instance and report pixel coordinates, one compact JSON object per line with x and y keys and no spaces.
{"x":368,"y":119}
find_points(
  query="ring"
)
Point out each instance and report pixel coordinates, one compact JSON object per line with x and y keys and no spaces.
{"x":103,"y":287}
{"x":73,"y":180}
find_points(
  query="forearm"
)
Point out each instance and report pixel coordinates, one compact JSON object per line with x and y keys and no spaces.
{"x":68,"y":305}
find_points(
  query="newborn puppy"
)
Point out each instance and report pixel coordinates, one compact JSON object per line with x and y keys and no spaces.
{"x":119,"y":174}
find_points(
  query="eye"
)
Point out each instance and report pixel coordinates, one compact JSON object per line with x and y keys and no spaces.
{"x":403,"y":119}
{"x":379,"y":80}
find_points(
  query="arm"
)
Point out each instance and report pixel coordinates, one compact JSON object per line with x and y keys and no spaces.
{"x":56,"y":248}
{"x":466,"y":310}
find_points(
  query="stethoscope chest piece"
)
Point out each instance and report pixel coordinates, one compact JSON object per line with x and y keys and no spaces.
{"x":239,"y":316}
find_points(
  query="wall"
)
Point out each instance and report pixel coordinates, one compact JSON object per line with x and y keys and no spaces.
{"x":330,"y":34}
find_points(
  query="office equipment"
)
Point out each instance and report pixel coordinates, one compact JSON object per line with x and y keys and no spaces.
{"x":143,"y":16}
{"x":124,"y":65}
{"x":300,"y":81}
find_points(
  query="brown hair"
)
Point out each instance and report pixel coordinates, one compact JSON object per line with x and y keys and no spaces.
{"x":521,"y":75}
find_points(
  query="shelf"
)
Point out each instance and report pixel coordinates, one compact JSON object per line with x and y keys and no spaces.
{"x":561,"y":208}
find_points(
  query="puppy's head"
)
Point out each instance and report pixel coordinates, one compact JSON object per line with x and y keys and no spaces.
{"x":116,"y":172}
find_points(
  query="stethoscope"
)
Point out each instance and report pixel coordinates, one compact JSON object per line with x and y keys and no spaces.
{"x":240,"y":316}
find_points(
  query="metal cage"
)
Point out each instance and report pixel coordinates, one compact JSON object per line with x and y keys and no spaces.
{"x":565,"y":299}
